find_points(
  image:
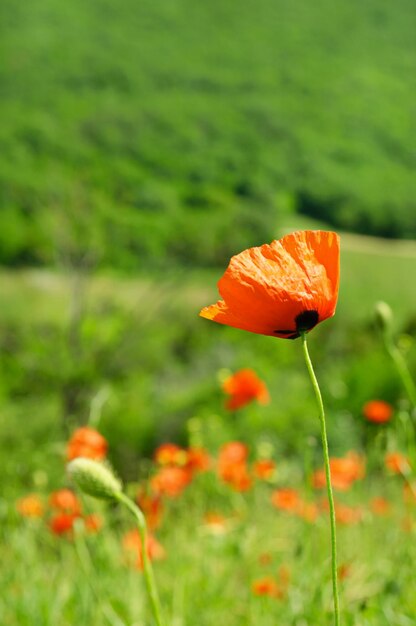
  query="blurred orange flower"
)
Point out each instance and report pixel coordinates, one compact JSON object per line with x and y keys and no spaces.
{"x":266,"y":586}
{"x":87,"y":442}
{"x":232,"y":465}
{"x":344,"y":472}
{"x":170,"y":481}
{"x":65,"y":500}
{"x":30,"y":506}
{"x":397,"y":463}
{"x":264,"y":469}
{"x":345,"y":514}
{"x":132,"y":545}
{"x":170,"y":454}
{"x":377,"y":411}
{"x":280,"y":289}
{"x":198,"y":460}
{"x":243,"y":387}
{"x":286,"y":499}
{"x":62,"y":523}
{"x":152,"y":507}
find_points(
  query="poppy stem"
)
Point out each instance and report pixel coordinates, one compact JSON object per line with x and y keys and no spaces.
{"x":147,"y":566}
{"x":321,"y":409}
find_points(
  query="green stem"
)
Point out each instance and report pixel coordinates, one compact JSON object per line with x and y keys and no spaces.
{"x":320,"y":403}
{"x":402,"y":369}
{"x":147,"y":567}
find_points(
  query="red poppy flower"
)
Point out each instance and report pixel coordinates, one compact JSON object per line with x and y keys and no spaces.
{"x":266,"y":586}
{"x":281,"y":289}
{"x":286,"y":499}
{"x":132,"y":544}
{"x":87,"y":442}
{"x":243,"y":387}
{"x":170,"y":481}
{"x":65,"y":500}
{"x":170,"y":454}
{"x":264,"y":469}
{"x":62,"y":523}
{"x":377,"y":411}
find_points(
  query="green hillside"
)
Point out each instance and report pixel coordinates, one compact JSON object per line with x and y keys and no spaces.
{"x":183,"y":131}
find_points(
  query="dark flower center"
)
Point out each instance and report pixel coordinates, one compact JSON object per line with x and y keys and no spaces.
{"x":304,"y":322}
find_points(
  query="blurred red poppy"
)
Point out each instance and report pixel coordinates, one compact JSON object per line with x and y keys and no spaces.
{"x":170,"y":454}
{"x":152,"y":507}
{"x":88,"y":443}
{"x":281,"y":289}
{"x":65,"y":500}
{"x":344,"y":472}
{"x":264,"y":469}
{"x":232,"y":465}
{"x":377,"y":411}
{"x":170,"y":481}
{"x":132,"y":545}
{"x":62,"y":523}
{"x":286,"y":499}
{"x":243,"y":387}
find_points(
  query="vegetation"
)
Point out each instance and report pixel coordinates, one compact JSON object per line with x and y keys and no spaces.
{"x":145,"y":121}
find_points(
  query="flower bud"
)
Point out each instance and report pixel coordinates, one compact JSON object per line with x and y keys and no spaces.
{"x":383,"y":316}
{"x":94,"y":478}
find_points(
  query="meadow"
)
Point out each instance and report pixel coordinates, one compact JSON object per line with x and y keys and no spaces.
{"x":134,"y":360}
{"x":142,"y":145}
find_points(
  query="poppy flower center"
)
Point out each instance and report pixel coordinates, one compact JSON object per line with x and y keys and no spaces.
{"x":304,"y":321}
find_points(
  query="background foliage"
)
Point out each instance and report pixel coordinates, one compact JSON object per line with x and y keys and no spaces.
{"x":183,"y":132}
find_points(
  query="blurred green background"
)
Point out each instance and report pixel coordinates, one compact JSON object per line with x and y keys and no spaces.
{"x":144,"y":143}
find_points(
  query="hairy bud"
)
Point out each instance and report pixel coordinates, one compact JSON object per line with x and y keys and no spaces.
{"x":94,"y":478}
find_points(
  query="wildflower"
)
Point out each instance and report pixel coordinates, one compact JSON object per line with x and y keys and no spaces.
{"x":65,"y":500}
{"x":266,"y":586}
{"x":198,"y":460}
{"x":170,"y":454}
{"x":232,"y":465}
{"x":397,"y":463}
{"x":132,"y":545}
{"x":377,"y":411}
{"x":233,"y":452}
{"x":285,"y":499}
{"x":281,"y":289}
{"x":88,"y":443}
{"x":243,"y":387}
{"x":62,"y":523}
{"x":152,"y":507}
{"x":264,"y":469}
{"x":344,"y":472}
{"x":30,"y":506}
{"x":170,"y":481}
